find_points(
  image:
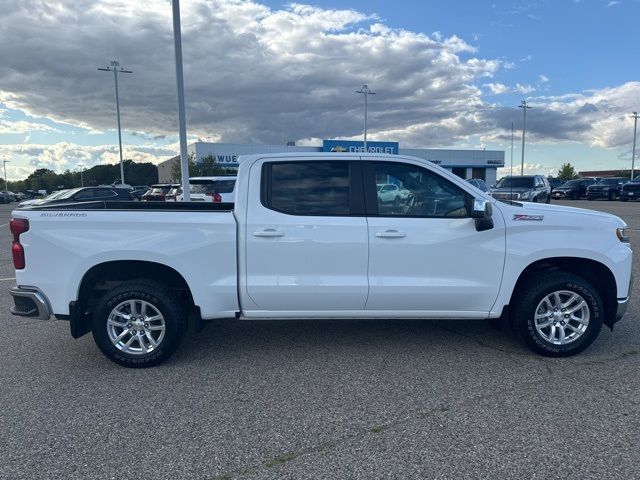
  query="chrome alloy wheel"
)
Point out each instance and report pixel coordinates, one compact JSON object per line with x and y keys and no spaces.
{"x":562,"y":317}
{"x":136,"y":327}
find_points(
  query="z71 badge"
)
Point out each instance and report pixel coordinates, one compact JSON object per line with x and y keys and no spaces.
{"x":528,"y":218}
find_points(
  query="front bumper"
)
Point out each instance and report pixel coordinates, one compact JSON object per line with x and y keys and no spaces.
{"x":631,"y":195}
{"x":30,"y":302}
{"x":598,"y":194}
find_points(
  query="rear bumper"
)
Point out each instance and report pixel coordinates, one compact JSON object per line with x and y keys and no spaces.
{"x":30,"y":302}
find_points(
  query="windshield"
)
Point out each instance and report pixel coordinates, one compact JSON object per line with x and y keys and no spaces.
{"x":211,"y":186}
{"x":62,"y":194}
{"x":571,"y":183}
{"x":515,"y":182}
{"x":54,"y":195}
{"x":610,"y":181}
{"x":158,"y":190}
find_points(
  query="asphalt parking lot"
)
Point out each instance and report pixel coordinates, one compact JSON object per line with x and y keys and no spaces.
{"x":320,"y":399}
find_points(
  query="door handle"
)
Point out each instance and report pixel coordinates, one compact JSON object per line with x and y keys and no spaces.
{"x":268,"y":232}
{"x":391,"y":234}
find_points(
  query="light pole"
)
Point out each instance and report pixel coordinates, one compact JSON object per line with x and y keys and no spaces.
{"x":6,"y":186}
{"x":524,"y":108}
{"x":634,"y":115}
{"x":81,"y":179}
{"x":366,"y":92}
{"x":114,"y":68}
{"x":182,"y":125}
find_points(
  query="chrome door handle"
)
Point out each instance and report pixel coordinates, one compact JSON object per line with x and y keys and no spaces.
{"x":268,"y":232}
{"x":391,"y":234}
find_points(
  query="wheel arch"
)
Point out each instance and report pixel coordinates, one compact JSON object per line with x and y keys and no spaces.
{"x":105,"y":276}
{"x":596,"y":273}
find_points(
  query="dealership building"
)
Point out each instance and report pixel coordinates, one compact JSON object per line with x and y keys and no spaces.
{"x":464,"y":163}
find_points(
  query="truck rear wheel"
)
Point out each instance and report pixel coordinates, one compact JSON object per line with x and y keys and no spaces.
{"x":557,"y":314}
{"x":138,"y":324}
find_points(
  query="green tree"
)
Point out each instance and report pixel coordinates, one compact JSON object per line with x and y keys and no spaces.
{"x":567,"y":172}
{"x":206,"y":167}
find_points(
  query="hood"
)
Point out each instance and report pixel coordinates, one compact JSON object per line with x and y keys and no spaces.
{"x":559,"y":211}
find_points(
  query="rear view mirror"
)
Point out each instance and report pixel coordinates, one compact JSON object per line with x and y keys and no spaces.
{"x":478,"y":208}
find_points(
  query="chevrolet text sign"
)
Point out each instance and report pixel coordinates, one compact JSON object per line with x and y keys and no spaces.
{"x":358,"y":147}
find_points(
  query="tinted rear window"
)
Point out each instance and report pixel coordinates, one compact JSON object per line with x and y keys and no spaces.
{"x":308,"y":188}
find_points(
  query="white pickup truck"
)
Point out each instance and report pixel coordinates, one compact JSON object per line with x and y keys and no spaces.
{"x":308,"y":237}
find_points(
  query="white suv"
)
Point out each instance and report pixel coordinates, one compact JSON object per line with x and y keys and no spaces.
{"x":211,"y":189}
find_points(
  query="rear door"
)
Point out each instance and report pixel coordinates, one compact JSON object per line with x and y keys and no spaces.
{"x":306,"y":238}
{"x":425,"y":256}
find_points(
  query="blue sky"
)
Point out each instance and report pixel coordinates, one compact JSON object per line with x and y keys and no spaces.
{"x":448,"y":74}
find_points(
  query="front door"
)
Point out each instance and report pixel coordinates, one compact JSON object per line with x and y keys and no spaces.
{"x":425,"y":256}
{"x":306,"y":238}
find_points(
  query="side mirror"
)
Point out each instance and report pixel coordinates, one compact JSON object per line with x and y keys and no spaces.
{"x":481,"y":211}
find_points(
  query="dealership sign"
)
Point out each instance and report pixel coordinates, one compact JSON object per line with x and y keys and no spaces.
{"x":358,"y":147}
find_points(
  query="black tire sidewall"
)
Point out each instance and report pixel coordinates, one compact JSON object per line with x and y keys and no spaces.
{"x":533,"y":293}
{"x":162,"y":299}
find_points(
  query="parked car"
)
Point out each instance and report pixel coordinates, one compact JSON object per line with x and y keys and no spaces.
{"x":156,"y":193}
{"x":527,"y":188}
{"x":6,"y":197}
{"x":138,"y":191}
{"x":389,"y":193}
{"x":306,"y":238}
{"x":218,"y":189}
{"x":82,"y":194}
{"x":630,"y":190}
{"x":573,"y":189}
{"x":608,"y":188}
{"x":478,"y":183}
{"x":173,"y":192}
{"x":554,"y":183}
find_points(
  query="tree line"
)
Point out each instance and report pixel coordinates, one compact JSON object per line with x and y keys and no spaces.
{"x":135,"y":173}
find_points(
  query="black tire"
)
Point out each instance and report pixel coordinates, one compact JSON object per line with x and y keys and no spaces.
{"x":591,"y":199}
{"x":531,"y":294}
{"x":548,"y":199}
{"x":162,"y":299}
{"x":613,"y":196}
{"x":575,"y":196}
{"x":623,"y":199}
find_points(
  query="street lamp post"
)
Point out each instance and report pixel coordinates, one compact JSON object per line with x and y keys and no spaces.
{"x":115,"y":68}
{"x":81,"y":179}
{"x":6,"y":185}
{"x":634,"y":115}
{"x":182,"y":124}
{"x":366,"y":92}
{"x":524,"y":108}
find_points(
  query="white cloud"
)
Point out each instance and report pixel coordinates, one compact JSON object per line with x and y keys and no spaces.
{"x":21,"y":126}
{"x":524,"y":89}
{"x":497,"y":88}
{"x":543,"y":78}
{"x":613,"y":3}
{"x":66,"y":155}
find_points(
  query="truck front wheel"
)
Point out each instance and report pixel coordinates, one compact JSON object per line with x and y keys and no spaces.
{"x":138,"y":324}
{"x":558,"y":314}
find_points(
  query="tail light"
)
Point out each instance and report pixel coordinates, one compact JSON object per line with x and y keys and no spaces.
{"x":17,"y":227}
{"x":216,"y":197}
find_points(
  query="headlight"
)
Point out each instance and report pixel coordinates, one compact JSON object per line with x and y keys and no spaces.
{"x":622,"y":234}
{"x":525,"y":195}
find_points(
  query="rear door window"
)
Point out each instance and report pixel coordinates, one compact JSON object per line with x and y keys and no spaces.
{"x":307,"y":188}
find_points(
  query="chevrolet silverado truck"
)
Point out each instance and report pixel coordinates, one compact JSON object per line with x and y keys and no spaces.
{"x":309,"y":237}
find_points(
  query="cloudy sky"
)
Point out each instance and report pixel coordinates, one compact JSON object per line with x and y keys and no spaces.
{"x":447,"y":74}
